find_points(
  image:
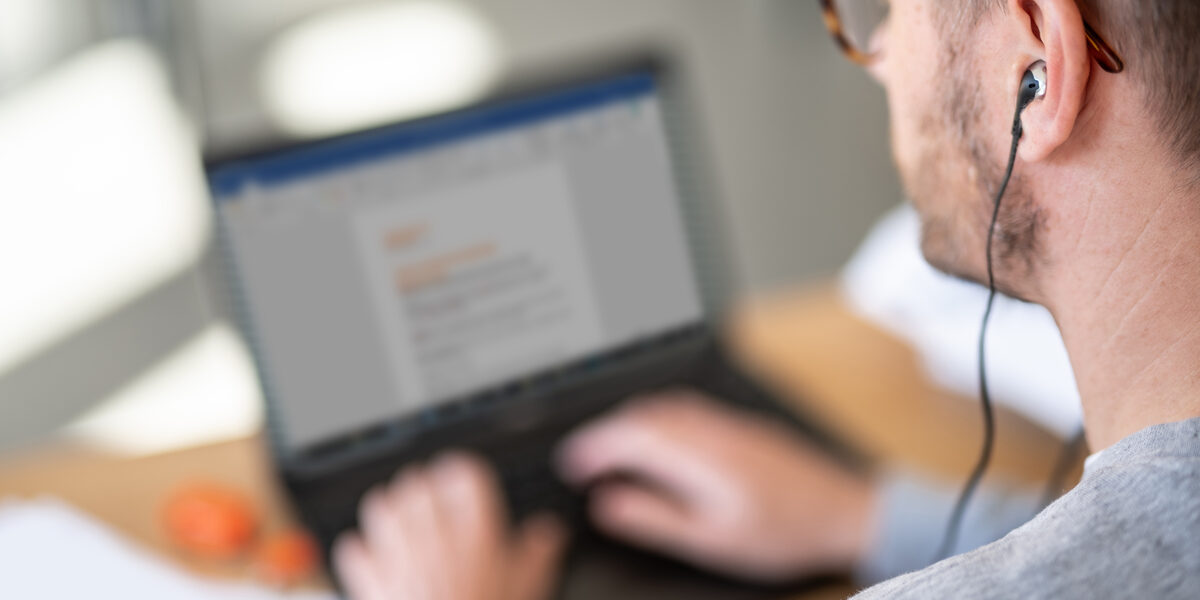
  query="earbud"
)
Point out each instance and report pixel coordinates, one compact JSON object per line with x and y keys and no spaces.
{"x":1033,"y":86}
{"x":1039,"y":74}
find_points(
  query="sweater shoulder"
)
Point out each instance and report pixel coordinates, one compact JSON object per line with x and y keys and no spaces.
{"x":1128,"y":529}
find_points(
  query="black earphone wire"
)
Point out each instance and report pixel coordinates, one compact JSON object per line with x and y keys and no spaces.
{"x":989,"y":420}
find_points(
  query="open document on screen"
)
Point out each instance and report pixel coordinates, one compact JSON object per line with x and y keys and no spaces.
{"x":479,"y":283}
{"x":401,"y":268}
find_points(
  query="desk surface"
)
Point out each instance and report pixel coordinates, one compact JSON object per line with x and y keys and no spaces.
{"x":857,"y":380}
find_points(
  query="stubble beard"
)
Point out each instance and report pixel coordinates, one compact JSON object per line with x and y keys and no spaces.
{"x":953,"y":186}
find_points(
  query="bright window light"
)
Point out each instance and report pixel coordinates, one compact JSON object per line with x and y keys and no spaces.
{"x":365,"y":64}
{"x":101,"y":196}
{"x":206,"y":391}
{"x":27,"y":35}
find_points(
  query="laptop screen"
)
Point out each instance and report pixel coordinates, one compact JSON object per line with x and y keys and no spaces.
{"x":398,"y":269}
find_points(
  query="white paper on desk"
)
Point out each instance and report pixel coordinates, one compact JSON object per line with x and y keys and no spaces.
{"x":49,"y":550}
{"x":889,"y":283}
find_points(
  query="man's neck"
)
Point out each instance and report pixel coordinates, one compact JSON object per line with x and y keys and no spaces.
{"x":1128,"y":305}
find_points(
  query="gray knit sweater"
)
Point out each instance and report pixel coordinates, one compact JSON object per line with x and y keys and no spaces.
{"x":1130,"y":529}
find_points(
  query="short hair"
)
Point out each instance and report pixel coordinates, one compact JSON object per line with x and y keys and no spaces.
{"x":1161,"y":49}
{"x":1157,"y":39}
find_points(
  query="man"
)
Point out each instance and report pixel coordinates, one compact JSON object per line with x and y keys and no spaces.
{"x":1101,"y":225}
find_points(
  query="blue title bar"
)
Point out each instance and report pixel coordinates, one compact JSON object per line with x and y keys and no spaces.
{"x":228,"y":179}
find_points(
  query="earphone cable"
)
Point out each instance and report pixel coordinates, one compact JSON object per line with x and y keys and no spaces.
{"x":989,"y":420}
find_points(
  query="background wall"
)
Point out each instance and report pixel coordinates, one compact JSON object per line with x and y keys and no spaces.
{"x":796,"y":136}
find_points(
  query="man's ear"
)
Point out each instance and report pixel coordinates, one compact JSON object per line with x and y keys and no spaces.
{"x":1055,"y":33}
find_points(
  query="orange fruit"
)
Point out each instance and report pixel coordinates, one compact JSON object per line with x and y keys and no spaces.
{"x":210,"y":520}
{"x":286,"y":558}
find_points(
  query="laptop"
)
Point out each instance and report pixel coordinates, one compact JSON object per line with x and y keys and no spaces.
{"x":488,"y":279}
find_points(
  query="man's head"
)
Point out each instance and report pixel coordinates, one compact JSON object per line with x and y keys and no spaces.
{"x":952,"y":69}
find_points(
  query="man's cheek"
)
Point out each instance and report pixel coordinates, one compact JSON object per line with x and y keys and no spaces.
{"x":904,"y":146}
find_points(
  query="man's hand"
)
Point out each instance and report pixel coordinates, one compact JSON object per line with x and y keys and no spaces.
{"x":720,"y":488}
{"x":440,"y":533}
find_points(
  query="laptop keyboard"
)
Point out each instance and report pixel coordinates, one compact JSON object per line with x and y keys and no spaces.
{"x":527,"y":479}
{"x":531,"y":485}
{"x":524,"y":462}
